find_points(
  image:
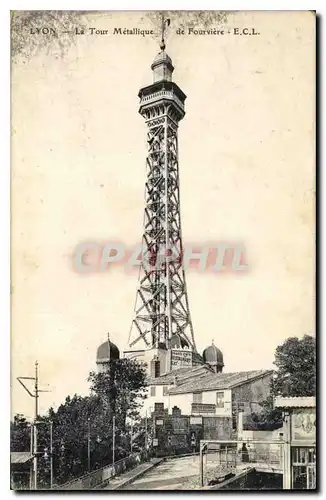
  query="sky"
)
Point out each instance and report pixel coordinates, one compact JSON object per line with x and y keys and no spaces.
{"x":247,"y":174}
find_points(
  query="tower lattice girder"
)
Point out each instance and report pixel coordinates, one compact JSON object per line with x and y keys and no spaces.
{"x":161,"y":308}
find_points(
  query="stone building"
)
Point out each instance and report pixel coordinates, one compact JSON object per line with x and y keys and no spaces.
{"x":201,"y":389}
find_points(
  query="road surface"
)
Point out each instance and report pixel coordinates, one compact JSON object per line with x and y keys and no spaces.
{"x":169,"y":475}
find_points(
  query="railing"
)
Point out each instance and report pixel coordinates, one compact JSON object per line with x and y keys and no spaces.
{"x":234,"y":457}
{"x":162,"y":93}
{"x":218,"y":456}
{"x":103,"y":475}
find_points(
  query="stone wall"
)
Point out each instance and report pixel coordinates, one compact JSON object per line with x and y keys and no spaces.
{"x":178,"y":434}
{"x":247,"y":397}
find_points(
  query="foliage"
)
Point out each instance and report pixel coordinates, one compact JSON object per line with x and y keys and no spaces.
{"x":20,"y":434}
{"x":121,"y":390}
{"x":295,"y":360}
{"x":268,"y":419}
{"x":26,"y":22}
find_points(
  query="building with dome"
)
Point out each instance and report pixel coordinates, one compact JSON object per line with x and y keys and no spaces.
{"x":213,"y":357}
{"x":106,"y":352}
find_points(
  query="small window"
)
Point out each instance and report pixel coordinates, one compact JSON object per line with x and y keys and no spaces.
{"x":165,"y":390}
{"x":220,"y":399}
{"x":153,"y":391}
{"x":157,"y":370}
{"x":197,"y":397}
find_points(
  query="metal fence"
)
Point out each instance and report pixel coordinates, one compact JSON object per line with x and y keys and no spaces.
{"x":102,"y":476}
{"x":218,"y":458}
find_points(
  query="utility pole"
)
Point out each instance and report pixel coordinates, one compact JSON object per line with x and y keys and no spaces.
{"x":88,"y":444}
{"x":146,"y":432}
{"x":51,"y":454}
{"x":48,"y":452}
{"x":35,"y":424}
{"x":31,"y":451}
{"x":34,"y":395}
{"x":113,"y":441}
{"x":35,"y":455}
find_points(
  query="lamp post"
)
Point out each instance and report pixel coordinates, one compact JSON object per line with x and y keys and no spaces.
{"x":88,"y":445}
{"x":146,"y":426}
{"x":146,"y":432}
{"x":131,"y":435}
{"x":51,"y":454}
{"x":48,"y":453}
{"x":113,"y":441}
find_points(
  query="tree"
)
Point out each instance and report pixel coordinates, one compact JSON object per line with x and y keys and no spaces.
{"x":269,"y":418}
{"x":121,"y":390}
{"x":295,"y":360}
{"x":20,"y":434}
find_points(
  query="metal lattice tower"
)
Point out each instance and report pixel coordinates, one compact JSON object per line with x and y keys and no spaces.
{"x":162,"y":309}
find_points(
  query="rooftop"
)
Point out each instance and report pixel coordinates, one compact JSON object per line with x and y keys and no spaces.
{"x":202,"y":378}
{"x":20,"y":457}
{"x":295,"y":402}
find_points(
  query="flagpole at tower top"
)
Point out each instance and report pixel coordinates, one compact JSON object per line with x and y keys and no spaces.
{"x":165,"y":23}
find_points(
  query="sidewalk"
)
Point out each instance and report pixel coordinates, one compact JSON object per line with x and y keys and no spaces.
{"x":129,"y":476}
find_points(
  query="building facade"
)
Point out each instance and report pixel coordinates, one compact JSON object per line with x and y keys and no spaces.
{"x":201,"y":391}
{"x":299,"y":428}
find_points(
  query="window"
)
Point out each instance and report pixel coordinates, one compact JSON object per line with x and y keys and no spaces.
{"x":202,"y":409}
{"x":153,"y":390}
{"x":220,"y":399}
{"x":157,"y":369}
{"x":165,"y":390}
{"x":304,"y":468}
{"x":197,"y":397}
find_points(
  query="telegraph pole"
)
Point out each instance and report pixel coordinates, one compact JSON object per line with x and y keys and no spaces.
{"x":35,"y":424}
{"x":88,"y":444}
{"x":51,"y":454}
{"x":34,"y":395}
{"x":113,"y":440}
{"x":36,"y":391}
{"x":146,"y":432}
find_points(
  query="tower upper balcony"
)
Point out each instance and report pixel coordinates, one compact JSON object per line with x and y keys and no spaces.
{"x":162,"y":90}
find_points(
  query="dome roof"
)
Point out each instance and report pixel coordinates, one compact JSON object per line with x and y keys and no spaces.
{"x":104,"y":349}
{"x":213,"y":355}
{"x":162,"y":57}
{"x":177,"y":342}
{"x":162,"y":60}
